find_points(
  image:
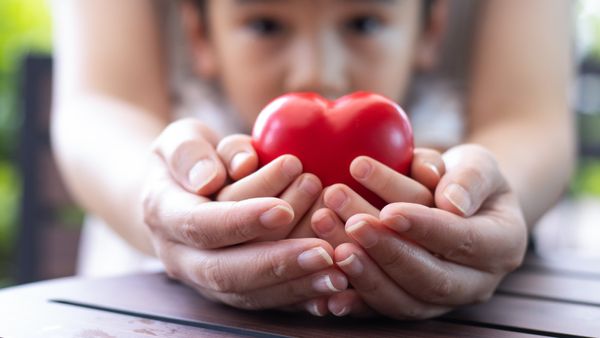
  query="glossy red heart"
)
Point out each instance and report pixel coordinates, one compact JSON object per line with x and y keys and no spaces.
{"x":327,"y":135}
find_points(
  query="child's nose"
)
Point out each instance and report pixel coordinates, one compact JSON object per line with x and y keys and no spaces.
{"x":318,"y":65}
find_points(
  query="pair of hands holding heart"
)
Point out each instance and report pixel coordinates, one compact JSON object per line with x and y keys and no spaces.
{"x":270,"y":236}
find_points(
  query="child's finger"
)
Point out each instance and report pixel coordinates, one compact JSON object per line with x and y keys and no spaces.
{"x":303,"y":229}
{"x":301,"y":195}
{"x":427,"y":167}
{"x":377,"y":289}
{"x":270,"y":180}
{"x":237,"y":153}
{"x":388,"y":183}
{"x":472,"y":175}
{"x":327,"y":226}
{"x":346,"y":202}
{"x":245,"y":268}
{"x":187,"y":147}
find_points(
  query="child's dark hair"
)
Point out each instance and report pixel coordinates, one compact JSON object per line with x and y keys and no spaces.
{"x":427,"y":4}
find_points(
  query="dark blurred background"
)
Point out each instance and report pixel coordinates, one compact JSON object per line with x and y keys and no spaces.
{"x":39,"y":226}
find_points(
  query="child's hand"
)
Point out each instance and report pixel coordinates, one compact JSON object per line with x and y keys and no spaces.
{"x":341,"y":202}
{"x":282,"y":178}
{"x":418,"y":262}
{"x":204,"y":243}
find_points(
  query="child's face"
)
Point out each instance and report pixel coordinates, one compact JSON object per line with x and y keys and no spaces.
{"x":257,"y":50}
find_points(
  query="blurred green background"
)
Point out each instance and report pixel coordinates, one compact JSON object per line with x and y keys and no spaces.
{"x":25,"y":28}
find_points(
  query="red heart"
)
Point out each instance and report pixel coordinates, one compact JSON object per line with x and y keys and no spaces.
{"x":327,"y":135}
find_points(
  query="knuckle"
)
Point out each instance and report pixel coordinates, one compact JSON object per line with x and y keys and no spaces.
{"x":396,"y":257}
{"x":277,"y":267}
{"x":214,"y":277}
{"x":151,"y":207}
{"x":236,"y":222}
{"x":440,"y":290}
{"x":191,"y":233}
{"x":465,"y":248}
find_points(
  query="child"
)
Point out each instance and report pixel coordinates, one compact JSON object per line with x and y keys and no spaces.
{"x":405,"y":261}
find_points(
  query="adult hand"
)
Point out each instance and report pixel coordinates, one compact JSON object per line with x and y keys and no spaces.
{"x":205,"y":243}
{"x":416,"y":262}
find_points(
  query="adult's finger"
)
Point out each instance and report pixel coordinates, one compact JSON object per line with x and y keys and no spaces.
{"x":238,"y":154}
{"x":422,"y":274}
{"x":427,"y":167}
{"x":349,"y":302}
{"x":377,"y":289}
{"x":323,"y":283}
{"x":472,"y":175}
{"x":270,"y":180}
{"x":252,"y":266}
{"x":485,"y":241}
{"x":203,"y":224}
{"x":388,"y":183}
{"x":188,"y":148}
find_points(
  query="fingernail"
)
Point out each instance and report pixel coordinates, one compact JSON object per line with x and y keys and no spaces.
{"x":314,"y":259}
{"x":459,"y":197}
{"x":397,"y":223}
{"x":433,"y":168}
{"x":308,"y":184}
{"x":362,"y":169}
{"x":202,"y":173}
{"x":238,"y":159}
{"x":351,"y":265}
{"x":324,"y":284}
{"x":324,"y":225}
{"x":313,"y":308}
{"x":277,"y":216}
{"x":341,"y":312}
{"x":363,"y":233}
{"x":291,"y":167}
{"x":336,"y":199}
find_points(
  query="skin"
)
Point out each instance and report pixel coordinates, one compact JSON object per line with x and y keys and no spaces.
{"x":420,"y":262}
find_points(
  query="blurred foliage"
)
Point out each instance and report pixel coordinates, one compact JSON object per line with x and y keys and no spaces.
{"x":25,"y":27}
{"x":587,"y":180}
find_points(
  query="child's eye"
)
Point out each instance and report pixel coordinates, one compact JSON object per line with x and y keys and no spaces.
{"x":265,"y":26}
{"x":364,"y":25}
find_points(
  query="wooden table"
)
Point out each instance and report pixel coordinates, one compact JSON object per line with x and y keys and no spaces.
{"x":556,"y":298}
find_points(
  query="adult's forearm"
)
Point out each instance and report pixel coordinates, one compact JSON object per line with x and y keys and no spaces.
{"x":537,"y":158}
{"x":102,"y":146}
